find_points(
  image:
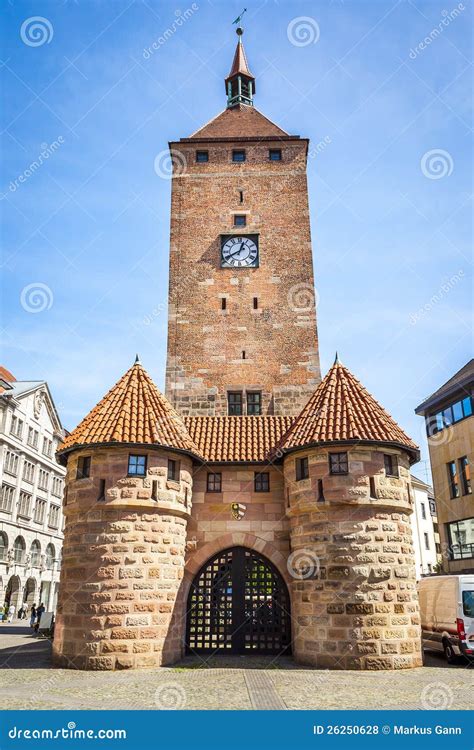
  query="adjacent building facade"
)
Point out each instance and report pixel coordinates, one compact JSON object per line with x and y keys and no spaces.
{"x":31,"y":492}
{"x":253,"y":509}
{"x":450,"y":428}
{"x":426,"y":539}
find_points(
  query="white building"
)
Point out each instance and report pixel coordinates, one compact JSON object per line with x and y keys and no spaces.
{"x":31,"y":490}
{"x":424,"y":523}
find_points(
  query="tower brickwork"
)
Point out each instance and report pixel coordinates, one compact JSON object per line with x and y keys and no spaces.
{"x":238,"y":322}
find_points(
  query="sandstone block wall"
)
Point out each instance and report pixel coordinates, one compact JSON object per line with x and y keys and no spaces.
{"x":120,"y":601}
{"x":205,"y":342}
{"x":354,"y":599}
{"x":263,"y":517}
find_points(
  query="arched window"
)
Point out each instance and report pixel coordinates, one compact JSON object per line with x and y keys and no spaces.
{"x":35,"y":553}
{"x":19,"y":550}
{"x":3,"y":545}
{"x":50,"y":555}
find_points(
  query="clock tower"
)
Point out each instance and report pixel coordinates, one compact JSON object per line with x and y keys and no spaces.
{"x":242,"y":336}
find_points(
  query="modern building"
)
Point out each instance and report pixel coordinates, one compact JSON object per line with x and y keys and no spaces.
{"x":31,"y":491}
{"x":450,"y":428}
{"x":426,"y":539}
{"x":253,"y":509}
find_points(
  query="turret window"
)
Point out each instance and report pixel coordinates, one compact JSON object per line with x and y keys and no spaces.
{"x":173,"y":470}
{"x":101,"y":496}
{"x":240,"y":220}
{"x":391,"y":465}
{"x":136,"y":466}
{"x":302,"y":469}
{"x":83,"y":467}
{"x":238,"y":155}
{"x":274,"y":154}
{"x":338,"y":463}
{"x":202,"y":156}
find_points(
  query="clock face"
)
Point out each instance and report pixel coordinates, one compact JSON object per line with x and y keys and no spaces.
{"x":239,"y":251}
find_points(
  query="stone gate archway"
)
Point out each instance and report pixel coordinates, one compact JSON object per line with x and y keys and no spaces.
{"x":29,"y":592}
{"x":238,"y":603}
{"x":12,"y":592}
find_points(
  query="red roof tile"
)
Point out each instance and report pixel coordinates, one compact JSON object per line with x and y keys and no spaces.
{"x":341,"y":409}
{"x":133,"y":411}
{"x":245,"y":439}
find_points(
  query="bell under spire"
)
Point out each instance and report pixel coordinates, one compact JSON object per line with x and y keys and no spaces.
{"x":240,"y":83}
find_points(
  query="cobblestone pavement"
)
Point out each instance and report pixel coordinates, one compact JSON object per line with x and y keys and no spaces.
{"x":221,"y":683}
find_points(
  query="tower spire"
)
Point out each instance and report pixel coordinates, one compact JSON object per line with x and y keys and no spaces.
{"x":240,"y":83}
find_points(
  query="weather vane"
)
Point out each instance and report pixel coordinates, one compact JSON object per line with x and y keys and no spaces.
{"x":238,"y":19}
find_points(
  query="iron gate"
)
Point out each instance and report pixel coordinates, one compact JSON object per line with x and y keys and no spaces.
{"x":238,"y":604}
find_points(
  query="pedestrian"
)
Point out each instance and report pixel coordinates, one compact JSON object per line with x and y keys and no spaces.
{"x":39,"y":612}
{"x":20,"y":613}
{"x":11,"y":612}
{"x":32,"y":615}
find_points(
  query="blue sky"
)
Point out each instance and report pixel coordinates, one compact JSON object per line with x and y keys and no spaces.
{"x":389,"y":182}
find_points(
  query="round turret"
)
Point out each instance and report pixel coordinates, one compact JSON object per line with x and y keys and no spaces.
{"x":349,"y":498}
{"x":128,"y":500}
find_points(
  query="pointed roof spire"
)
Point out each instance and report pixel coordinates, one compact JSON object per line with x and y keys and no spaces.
{"x":137,"y":360}
{"x":133,"y":411}
{"x":336,"y":359}
{"x":240,"y":83}
{"x":342,"y":410}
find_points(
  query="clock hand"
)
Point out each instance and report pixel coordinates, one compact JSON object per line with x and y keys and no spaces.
{"x":237,"y":251}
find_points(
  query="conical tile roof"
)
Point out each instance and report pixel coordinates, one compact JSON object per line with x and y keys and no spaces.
{"x":133,"y":411}
{"x":240,"y":65}
{"x":342,"y":410}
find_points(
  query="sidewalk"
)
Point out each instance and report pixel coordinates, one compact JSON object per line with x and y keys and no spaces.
{"x":221,"y":683}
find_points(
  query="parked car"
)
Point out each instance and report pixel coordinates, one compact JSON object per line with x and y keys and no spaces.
{"x":447,"y":615}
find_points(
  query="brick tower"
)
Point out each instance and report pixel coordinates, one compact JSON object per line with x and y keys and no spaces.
{"x":242,"y":320}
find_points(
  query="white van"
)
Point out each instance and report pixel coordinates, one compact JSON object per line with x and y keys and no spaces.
{"x":447,"y":614}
